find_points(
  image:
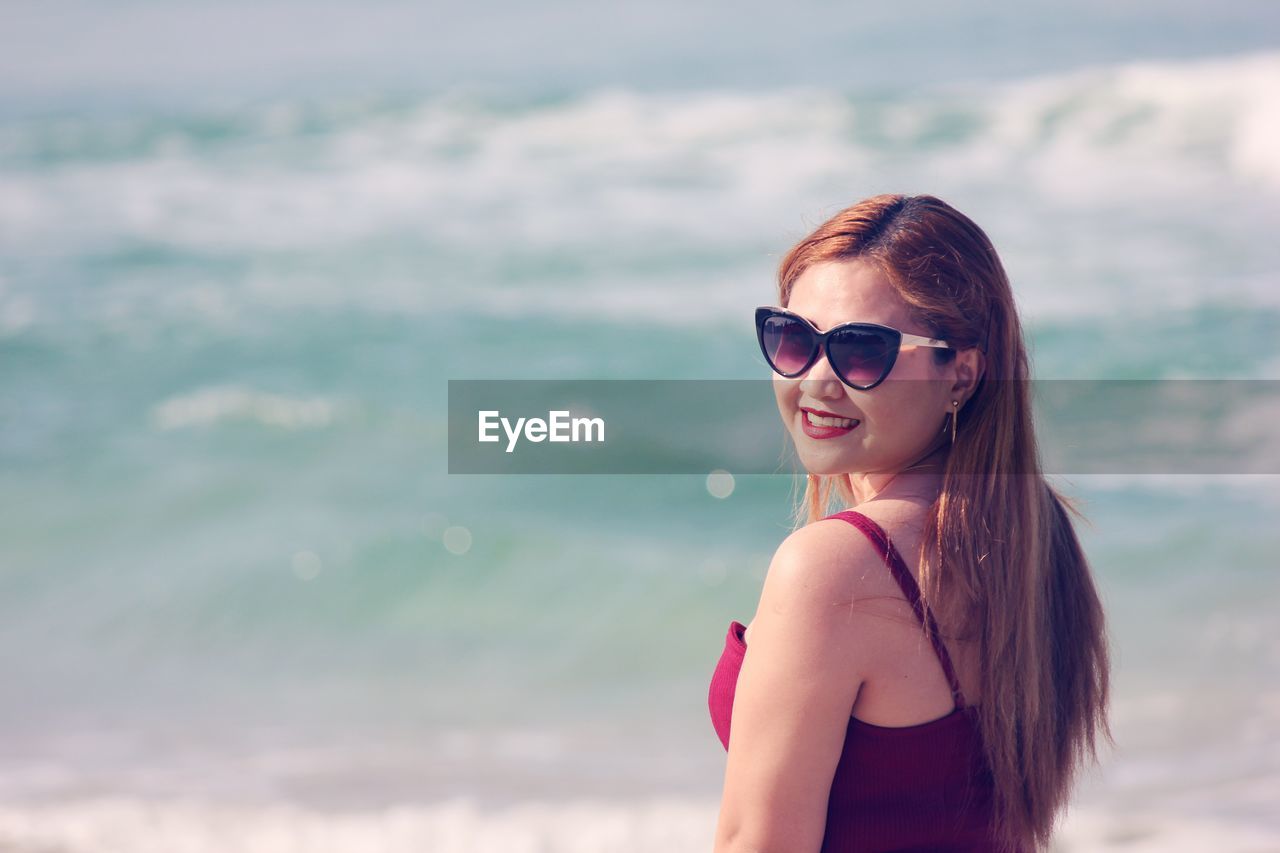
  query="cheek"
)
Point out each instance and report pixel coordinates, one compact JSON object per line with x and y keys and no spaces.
{"x":786,"y":393}
{"x":899,"y":418}
{"x":787,"y":396}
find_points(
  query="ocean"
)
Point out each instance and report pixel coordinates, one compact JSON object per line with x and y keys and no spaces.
{"x":243,"y":605}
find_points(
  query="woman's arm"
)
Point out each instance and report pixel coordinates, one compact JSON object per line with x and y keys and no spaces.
{"x":794,"y":694}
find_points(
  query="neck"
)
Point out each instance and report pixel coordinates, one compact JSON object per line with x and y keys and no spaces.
{"x":921,"y":479}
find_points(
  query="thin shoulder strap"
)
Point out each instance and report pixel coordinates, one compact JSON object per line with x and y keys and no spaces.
{"x":909,"y":588}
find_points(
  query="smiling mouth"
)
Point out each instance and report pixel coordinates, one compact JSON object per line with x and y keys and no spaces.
{"x":821,"y":421}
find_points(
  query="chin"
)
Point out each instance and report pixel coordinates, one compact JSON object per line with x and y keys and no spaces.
{"x":837,"y":471}
{"x":824,"y":465}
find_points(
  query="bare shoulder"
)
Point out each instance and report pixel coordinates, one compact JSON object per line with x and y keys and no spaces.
{"x":803,"y":671}
{"x":822,"y":576}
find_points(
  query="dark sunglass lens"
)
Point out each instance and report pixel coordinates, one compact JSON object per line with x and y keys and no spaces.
{"x":860,"y":356}
{"x":787,"y":343}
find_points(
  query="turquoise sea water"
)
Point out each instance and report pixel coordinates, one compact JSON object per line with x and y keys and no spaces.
{"x":242,"y":605}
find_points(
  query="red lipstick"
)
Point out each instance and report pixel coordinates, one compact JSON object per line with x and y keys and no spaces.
{"x":815,"y":431}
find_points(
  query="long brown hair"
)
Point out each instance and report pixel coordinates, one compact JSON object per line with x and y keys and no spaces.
{"x":1000,"y":562}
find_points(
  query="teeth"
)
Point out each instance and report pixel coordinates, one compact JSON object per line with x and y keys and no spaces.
{"x":818,"y":420}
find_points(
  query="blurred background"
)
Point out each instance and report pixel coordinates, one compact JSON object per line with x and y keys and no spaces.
{"x":244,"y":245}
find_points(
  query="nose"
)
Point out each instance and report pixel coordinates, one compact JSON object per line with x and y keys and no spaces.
{"x":821,"y":381}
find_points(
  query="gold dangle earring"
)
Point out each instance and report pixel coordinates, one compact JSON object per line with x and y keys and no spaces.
{"x":955,"y":412}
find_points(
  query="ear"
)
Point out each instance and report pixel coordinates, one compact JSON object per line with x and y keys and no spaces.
{"x":970,"y":364}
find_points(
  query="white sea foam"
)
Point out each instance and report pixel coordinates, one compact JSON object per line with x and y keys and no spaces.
{"x":708,"y":165}
{"x":233,"y":402}
{"x":451,"y":826}
{"x":462,"y":826}
{"x":563,"y":206}
{"x":1146,"y":129}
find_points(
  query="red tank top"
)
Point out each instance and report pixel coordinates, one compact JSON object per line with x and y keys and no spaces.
{"x":923,"y":787}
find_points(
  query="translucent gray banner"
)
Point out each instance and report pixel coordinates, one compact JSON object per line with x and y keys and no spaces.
{"x":695,"y":426}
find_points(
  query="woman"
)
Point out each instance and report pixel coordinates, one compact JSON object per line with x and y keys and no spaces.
{"x":927,"y":669}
